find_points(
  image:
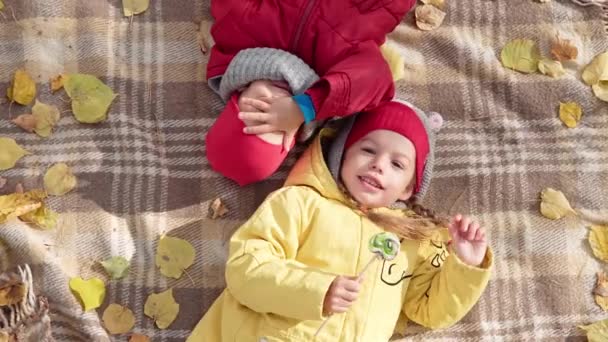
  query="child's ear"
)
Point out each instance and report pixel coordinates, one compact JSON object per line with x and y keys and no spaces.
{"x":408,"y":192}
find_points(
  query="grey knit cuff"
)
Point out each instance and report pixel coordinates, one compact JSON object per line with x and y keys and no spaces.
{"x":264,"y":64}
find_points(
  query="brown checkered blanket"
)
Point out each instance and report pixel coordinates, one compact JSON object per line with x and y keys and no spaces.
{"x":143,"y":171}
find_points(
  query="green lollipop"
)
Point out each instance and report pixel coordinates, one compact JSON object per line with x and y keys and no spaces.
{"x":385,"y":245}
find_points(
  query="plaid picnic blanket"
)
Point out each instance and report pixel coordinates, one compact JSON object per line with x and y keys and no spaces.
{"x":142,"y":173}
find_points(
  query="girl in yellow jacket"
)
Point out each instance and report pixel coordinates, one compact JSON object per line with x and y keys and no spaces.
{"x":297,"y":260}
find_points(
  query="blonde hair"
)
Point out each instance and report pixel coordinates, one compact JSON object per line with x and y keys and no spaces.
{"x":417,"y":222}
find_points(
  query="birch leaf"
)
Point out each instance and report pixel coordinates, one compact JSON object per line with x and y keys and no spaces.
{"x":117,"y":319}
{"x":521,"y":55}
{"x":598,"y":240}
{"x":22,"y":89}
{"x":46,"y":117}
{"x":551,"y":68}
{"x":162,"y":308}
{"x":117,"y":267}
{"x":173,"y":256}
{"x":10,"y":153}
{"x":59,"y":180}
{"x":27,"y":122}
{"x":570,"y":113}
{"x":132,"y":7}
{"x":91,"y":98}
{"x":596,"y":332}
{"x":554,"y":204}
{"x":90,"y":293}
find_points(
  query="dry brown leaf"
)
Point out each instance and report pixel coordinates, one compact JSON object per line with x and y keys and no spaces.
{"x":218,"y":209}
{"x":563,"y":50}
{"x":601,"y":285}
{"x":139,"y":338}
{"x":429,"y":17}
{"x":26,"y":121}
{"x":56,"y":83}
{"x":437,"y":3}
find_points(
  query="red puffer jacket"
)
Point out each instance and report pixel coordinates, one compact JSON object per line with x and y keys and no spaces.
{"x":339,"y":39}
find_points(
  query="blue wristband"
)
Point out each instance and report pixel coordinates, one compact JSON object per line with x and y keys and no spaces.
{"x":308,"y":109}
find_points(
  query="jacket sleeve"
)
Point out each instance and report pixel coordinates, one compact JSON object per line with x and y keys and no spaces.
{"x":443,"y":289}
{"x":358,"y":82}
{"x":262,"y":273}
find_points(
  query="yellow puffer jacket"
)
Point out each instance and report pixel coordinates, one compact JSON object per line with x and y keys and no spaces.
{"x":284,"y":258}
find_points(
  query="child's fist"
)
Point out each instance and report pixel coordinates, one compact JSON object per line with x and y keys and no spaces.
{"x":341,"y":294}
{"x":468,"y":240}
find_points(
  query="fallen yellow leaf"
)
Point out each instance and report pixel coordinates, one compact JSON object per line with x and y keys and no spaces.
{"x":218,"y":209}
{"x":395,"y":61}
{"x":59,"y":180}
{"x":132,"y":7}
{"x":19,"y":204}
{"x":12,"y":292}
{"x":173,"y":256}
{"x":596,"y":75}
{"x":601,"y":290}
{"x":570,"y":113}
{"x":56,"y":83}
{"x":23,"y":88}
{"x":139,"y":338}
{"x":46,"y":117}
{"x":1,"y":5}
{"x":597,"y":70}
{"x":596,"y":332}
{"x":162,"y":308}
{"x":117,"y":267}
{"x":429,"y":17}
{"x":598,"y":240}
{"x":10,"y":153}
{"x":117,"y":319}
{"x":42,"y":217}
{"x":554,"y":204}
{"x":91,"y":99}
{"x":551,"y":68}
{"x":563,"y":50}
{"x":90,"y":293}
{"x":26,"y":121}
{"x":521,"y":55}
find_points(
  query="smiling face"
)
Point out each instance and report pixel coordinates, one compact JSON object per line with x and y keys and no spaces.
{"x":379,"y":169}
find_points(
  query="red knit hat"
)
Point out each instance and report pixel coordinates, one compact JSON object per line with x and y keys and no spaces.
{"x":401,"y":119}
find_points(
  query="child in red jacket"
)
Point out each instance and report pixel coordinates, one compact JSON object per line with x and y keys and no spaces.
{"x":338,"y":39}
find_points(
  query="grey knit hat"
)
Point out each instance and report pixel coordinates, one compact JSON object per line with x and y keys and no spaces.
{"x":432,"y":124}
{"x":267,"y":64}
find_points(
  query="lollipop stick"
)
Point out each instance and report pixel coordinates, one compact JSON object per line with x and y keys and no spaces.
{"x":371,"y":261}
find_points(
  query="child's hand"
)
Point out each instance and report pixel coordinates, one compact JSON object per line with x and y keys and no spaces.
{"x":275,"y":114}
{"x":341,"y":294}
{"x":468,"y":240}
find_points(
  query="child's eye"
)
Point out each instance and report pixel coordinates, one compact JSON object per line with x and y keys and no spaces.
{"x":398,"y":165}
{"x":368,"y":150}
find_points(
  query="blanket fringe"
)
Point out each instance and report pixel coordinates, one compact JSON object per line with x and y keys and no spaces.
{"x":603,"y":4}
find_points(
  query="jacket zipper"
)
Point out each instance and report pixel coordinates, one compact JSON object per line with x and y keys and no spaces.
{"x":303,"y":22}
